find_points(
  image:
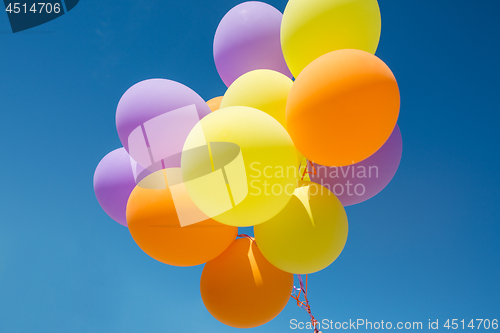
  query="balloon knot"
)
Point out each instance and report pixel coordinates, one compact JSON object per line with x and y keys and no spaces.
{"x":247,"y":236}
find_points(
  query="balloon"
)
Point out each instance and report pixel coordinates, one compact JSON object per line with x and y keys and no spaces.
{"x":113,"y":183}
{"x":308,"y":234}
{"x":248,"y":38}
{"x":214,"y":103}
{"x":311,"y":28}
{"x":155,"y":224}
{"x":240,"y":288}
{"x":342,"y":107}
{"x":361,"y":181}
{"x":262,"y":89}
{"x":237,"y":164}
{"x":145,"y":101}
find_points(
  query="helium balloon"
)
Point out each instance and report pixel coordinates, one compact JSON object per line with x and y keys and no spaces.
{"x":361,"y":181}
{"x":240,"y":288}
{"x":214,"y":103}
{"x":311,"y":28}
{"x":342,"y":108}
{"x":262,"y":89}
{"x":308,"y":234}
{"x":156,"y":218}
{"x":152,"y":104}
{"x":248,"y":38}
{"x":237,"y":164}
{"x":113,"y":182}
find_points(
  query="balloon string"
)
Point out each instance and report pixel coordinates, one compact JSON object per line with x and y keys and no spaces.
{"x":305,"y":304}
{"x":249,"y":237}
{"x":306,"y":169}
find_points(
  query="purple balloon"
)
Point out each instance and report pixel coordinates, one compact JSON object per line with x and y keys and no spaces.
{"x":361,"y":181}
{"x":248,"y":38}
{"x":113,"y":182}
{"x":152,"y":98}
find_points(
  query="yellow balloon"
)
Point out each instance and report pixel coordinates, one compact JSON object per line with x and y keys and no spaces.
{"x":239,"y":166}
{"x":308,"y":234}
{"x":263,"y":89}
{"x":311,"y":28}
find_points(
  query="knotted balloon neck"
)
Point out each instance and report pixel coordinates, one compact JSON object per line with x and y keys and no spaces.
{"x":247,"y":236}
{"x":304,"y":304}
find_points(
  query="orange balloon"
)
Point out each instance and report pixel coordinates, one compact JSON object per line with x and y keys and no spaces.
{"x":342,"y":107}
{"x":240,"y":288}
{"x":153,"y":222}
{"x":214,"y":103}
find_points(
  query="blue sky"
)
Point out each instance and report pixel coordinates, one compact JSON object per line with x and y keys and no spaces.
{"x":427,"y":247}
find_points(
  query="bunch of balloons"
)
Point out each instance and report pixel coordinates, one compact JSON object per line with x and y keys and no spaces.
{"x":284,"y":156}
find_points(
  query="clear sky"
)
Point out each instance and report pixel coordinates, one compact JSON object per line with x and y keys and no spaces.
{"x":427,"y":247}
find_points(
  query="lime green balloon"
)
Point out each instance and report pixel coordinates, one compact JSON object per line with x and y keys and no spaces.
{"x":308,"y":234}
{"x":263,"y":89}
{"x":311,"y":28}
{"x":239,"y":166}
